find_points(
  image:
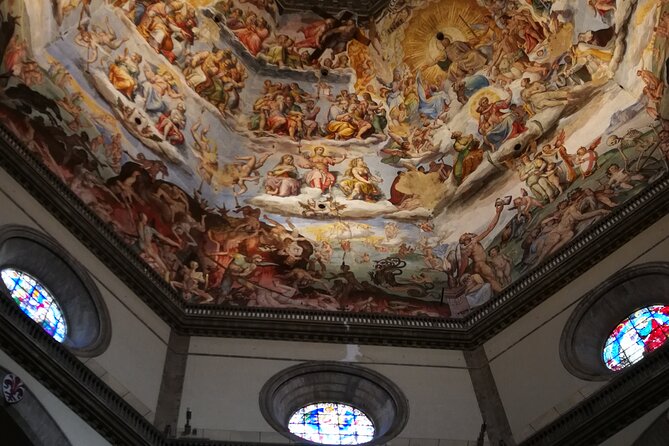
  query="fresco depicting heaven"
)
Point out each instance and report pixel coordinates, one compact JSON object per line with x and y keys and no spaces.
{"x":413,"y":163}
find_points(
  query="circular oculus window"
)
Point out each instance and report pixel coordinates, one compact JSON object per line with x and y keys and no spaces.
{"x":618,"y":323}
{"x":331,"y":423}
{"x":333,"y":403}
{"x":635,"y":336}
{"x":53,"y":289}
{"x":36,"y":302}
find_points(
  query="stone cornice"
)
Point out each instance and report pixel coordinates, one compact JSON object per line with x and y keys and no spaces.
{"x":71,"y":381}
{"x":600,"y":240}
{"x":624,"y":399}
{"x":627,"y":397}
{"x":362,"y":8}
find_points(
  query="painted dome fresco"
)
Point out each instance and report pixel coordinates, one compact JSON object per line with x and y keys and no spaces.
{"x":415,"y":161}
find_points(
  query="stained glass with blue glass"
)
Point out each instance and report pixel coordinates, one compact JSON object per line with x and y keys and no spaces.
{"x":332,"y":423}
{"x":35,"y":301}
{"x":640,"y":333}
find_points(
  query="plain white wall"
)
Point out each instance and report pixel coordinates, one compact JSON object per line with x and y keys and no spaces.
{"x":534,"y":385}
{"x":224,"y":378}
{"x":75,"y":429}
{"x":133,"y":363}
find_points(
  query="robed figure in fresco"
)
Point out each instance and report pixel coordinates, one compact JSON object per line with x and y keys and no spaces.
{"x":124,"y":72}
{"x":469,"y":155}
{"x":461,"y":58}
{"x":155,"y":27}
{"x":497,"y":123}
{"x":320,"y":176}
{"x":283,"y":180}
{"x":253,"y":34}
{"x":360,"y":184}
{"x":313,"y":33}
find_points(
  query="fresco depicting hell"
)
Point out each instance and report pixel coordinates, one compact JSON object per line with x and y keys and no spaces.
{"x":413,"y":163}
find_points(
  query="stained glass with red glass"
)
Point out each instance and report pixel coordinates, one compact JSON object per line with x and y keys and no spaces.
{"x":640,"y":333}
{"x":35,"y":301}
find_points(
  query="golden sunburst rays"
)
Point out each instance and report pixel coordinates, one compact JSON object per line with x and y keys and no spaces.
{"x":362,"y":64}
{"x":201,"y":3}
{"x":452,"y":18}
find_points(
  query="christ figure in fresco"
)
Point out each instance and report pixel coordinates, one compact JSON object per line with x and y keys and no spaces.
{"x":461,"y":59}
{"x":320,"y":176}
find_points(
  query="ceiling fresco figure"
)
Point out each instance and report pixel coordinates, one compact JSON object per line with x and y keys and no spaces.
{"x":413,"y":163}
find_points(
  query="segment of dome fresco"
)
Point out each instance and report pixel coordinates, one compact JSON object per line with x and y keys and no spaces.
{"x":414,"y":163}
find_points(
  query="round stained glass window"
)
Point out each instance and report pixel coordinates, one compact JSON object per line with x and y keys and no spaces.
{"x":642,"y":332}
{"x":35,"y":301}
{"x":331,"y":423}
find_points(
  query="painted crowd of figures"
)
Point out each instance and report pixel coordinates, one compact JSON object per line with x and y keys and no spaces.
{"x":461,"y":115}
{"x":253,"y":23}
{"x":289,"y":110}
{"x":169,"y":28}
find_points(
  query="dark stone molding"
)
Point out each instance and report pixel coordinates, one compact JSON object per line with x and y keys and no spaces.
{"x":487,"y":397}
{"x":362,"y":8}
{"x":631,"y":394}
{"x":33,"y":419}
{"x":84,"y":310}
{"x":601,"y":239}
{"x":64,"y":375}
{"x":312,"y":382}
{"x":172,"y":383}
{"x":602,"y":309}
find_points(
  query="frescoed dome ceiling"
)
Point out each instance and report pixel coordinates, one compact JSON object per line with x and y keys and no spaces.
{"x":413,"y":162}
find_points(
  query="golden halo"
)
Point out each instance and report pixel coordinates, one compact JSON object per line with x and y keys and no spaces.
{"x":489,"y":93}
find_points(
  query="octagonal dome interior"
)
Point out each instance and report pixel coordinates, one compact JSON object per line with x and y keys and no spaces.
{"x":415,"y":162}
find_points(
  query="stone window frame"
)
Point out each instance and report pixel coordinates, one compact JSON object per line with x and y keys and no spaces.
{"x":87,"y":318}
{"x":602,"y":309}
{"x":316,"y":382}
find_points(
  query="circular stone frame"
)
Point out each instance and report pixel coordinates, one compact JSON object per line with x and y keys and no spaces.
{"x":88,"y":324}
{"x":602,"y":309}
{"x":317,"y":382}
